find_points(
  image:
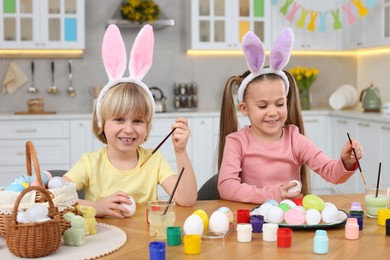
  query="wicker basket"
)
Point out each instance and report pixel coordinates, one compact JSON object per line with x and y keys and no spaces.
{"x":35,"y":239}
{"x":31,"y":157}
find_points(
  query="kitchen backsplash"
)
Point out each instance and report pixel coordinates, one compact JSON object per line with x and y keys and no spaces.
{"x":170,"y":65}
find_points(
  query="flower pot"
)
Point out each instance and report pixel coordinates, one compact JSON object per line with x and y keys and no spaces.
{"x":304,"y":95}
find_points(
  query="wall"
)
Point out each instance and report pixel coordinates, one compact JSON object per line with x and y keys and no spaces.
{"x":171,"y":64}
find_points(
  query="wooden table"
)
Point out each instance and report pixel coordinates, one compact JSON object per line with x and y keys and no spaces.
{"x":372,"y":244}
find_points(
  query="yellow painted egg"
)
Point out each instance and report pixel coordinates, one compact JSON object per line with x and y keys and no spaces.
{"x":205,"y":218}
{"x":312,"y":201}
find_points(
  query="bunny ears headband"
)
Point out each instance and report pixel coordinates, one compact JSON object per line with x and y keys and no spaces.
{"x":114,"y":60}
{"x":255,"y":57}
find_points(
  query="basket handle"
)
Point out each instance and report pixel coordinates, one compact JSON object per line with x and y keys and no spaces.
{"x":52,"y":209}
{"x":31,"y":155}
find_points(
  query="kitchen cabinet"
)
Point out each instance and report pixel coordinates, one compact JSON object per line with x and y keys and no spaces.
{"x":372,"y":30}
{"x":42,"y":24}
{"x":221,"y":24}
{"x":305,"y":39}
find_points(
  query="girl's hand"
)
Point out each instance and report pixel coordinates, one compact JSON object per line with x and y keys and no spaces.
{"x":348,"y":156}
{"x":285,"y":194}
{"x":110,"y":206}
{"x":181,"y":134}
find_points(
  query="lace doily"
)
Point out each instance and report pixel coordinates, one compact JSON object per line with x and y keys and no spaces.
{"x":107,"y":240}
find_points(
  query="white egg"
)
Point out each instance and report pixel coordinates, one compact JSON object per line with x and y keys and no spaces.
{"x":272,"y":202}
{"x":262,"y":210}
{"x":37,"y":212}
{"x":275,"y":215}
{"x":218,"y":222}
{"x":55,"y":182}
{"x":22,"y":217}
{"x":296,"y":188}
{"x":132,"y":207}
{"x":329,"y":214}
{"x":301,"y":208}
{"x":313,"y":216}
{"x":289,"y":202}
{"x":194,"y":225}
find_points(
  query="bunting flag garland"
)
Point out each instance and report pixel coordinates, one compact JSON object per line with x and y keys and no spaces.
{"x":296,"y":12}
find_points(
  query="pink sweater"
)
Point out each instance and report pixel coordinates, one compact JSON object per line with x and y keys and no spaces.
{"x":252,"y":172}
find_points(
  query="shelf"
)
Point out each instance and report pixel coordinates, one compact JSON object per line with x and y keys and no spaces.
{"x":157,"y":24}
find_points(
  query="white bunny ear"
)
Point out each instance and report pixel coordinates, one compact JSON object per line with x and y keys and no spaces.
{"x":142,"y":53}
{"x":113,"y":53}
{"x":281,"y":50}
{"x":254,"y":52}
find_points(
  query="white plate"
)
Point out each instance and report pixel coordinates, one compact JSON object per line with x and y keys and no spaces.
{"x":337,"y":100}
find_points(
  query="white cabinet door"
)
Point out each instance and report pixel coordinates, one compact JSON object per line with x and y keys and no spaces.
{"x":42,"y":24}
{"x":80,"y":139}
{"x":203,"y":149}
{"x":316,"y":128}
{"x":221,"y":24}
{"x":305,"y":39}
{"x":384,"y":154}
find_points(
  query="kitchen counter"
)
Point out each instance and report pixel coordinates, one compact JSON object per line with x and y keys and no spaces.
{"x":353,"y":114}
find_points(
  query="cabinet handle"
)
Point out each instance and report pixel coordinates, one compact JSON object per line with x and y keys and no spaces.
{"x":311,"y":121}
{"x":364,"y":124}
{"x":342,"y":121}
{"x":32,"y":130}
{"x":386,"y":128}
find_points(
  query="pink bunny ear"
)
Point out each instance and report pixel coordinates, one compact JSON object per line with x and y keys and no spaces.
{"x":254,"y":52}
{"x":142,"y":53}
{"x":113,"y":53}
{"x":281,"y":50}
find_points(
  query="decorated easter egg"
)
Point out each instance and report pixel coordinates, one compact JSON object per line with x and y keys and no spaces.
{"x":132,"y":208}
{"x":313,"y":217}
{"x":193,"y":225}
{"x":218,"y":222}
{"x":312,"y":201}
{"x":55,"y":182}
{"x":272,"y":202}
{"x":298,"y":201}
{"x":329,"y":214}
{"x":294,"y":217}
{"x":274,"y":215}
{"x":205,"y":218}
{"x":228,"y":213}
{"x":284,"y":206}
{"x":296,"y":188}
{"x":16,"y":187}
{"x":289,"y":202}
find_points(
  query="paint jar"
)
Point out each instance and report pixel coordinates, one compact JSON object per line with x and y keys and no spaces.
{"x":352,"y":229}
{"x":191,"y":244}
{"x":359,"y":218}
{"x":383,"y":214}
{"x":269,"y":232}
{"x":173,"y":236}
{"x":257,"y":222}
{"x":321,"y":242}
{"x":243,"y":216}
{"x":244,"y":232}
{"x":284,"y":237}
{"x":388,"y":227}
{"x":157,"y":250}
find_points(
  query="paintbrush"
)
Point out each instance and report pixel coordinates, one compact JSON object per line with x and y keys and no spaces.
{"x":158,"y":146}
{"x":170,"y":199}
{"x":357,"y":161}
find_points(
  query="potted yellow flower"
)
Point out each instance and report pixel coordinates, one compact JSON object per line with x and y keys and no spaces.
{"x":304,"y":78}
{"x":140,"y":11}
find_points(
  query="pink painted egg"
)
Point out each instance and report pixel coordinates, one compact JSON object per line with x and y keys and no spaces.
{"x":294,"y":217}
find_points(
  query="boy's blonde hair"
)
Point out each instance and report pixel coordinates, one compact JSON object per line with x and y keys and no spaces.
{"x":122,"y":99}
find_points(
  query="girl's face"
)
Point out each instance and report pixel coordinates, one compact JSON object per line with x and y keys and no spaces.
{"x":125,"y":134}
{"x":266,"y":107}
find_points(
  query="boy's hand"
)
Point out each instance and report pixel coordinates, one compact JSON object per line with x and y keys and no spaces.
{"x":111,"y":205}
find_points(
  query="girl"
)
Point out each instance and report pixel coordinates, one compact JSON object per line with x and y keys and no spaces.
{"x":123,"y":119}
{"x":258,"y":162}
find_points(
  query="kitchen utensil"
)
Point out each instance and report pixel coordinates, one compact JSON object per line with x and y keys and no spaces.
{"x":160,"y":100}
{"x":158,"y":146}
{"x":71,"y":90}
{"x":52,"y":89}
{"x":32,"y":89}
{"x":371,"y":99}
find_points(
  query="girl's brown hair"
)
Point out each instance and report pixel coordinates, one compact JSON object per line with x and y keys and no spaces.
{"x":229,"y":123}
{"x":120,"y":100}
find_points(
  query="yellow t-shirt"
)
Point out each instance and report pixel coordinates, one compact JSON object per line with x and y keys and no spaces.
{"x":95,"y":174}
